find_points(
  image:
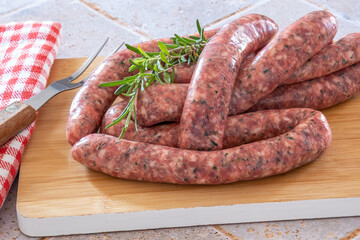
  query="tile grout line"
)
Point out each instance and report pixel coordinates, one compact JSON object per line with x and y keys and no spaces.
{"x":351,"y":235}
{"x":226,"y":233}
{"x":227,"y":16}
{"x":209,"y":25}
{"x":18,"y":9}
{"x":127,"y":26}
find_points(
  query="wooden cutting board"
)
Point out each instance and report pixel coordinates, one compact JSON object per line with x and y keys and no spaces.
{"x":58,"y":195}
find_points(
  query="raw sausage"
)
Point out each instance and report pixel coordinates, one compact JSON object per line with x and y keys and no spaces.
{"x":333,"y":57}
{"x":281,"y":57}
{"x":239,"y":129}
{"x":91,"y":101}
{"x":155,"y":163}
{"x":207,"y":101}
{"x":318,"y":93}
{"x":161,"y":103}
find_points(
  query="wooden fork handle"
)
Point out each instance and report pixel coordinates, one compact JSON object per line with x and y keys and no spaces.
{"x":15,"y":118}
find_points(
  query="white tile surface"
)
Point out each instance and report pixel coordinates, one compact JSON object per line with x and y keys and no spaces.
{"x":83,"y":29}
{"x":349,"y":9}
{"x":282,"y":12}
{"x":164,"y":18}
{"x":9,"y":6}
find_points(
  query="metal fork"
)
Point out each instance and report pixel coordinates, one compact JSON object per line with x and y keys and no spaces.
{"x":19,"y":115}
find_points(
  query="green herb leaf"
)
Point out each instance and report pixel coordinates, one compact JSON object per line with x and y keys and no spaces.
{"x":198,"y":26}
{"x":162,"y":56}
{"x":131,"y":48}
{"x":121,"y":89}
{"x":163,"y":48}
{"x":166,"y":77}
{"x":143,"y":53}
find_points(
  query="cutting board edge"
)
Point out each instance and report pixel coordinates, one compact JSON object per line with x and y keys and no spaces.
{"x":184,"y":217}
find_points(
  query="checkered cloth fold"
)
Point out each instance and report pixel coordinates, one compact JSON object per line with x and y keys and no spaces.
{"x":27,"y":52}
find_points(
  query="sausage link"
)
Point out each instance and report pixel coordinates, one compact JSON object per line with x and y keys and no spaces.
{"x":155,"y":163}
{"x":281,"y":57}
{"x":318,"y":93}
{"x":239,"y":129}
{"x":91,"y":101}
{"x":333,"y":57}
{"x":207,"y":102}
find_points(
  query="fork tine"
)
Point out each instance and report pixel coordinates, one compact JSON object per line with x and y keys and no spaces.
{"x":87,"y":63}
{"x":64,"y":84}
{"x":78,"y":84}
{"x":117,"y":49}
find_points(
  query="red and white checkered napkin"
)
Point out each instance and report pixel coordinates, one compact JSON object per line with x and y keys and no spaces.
{"x":27,"y":52}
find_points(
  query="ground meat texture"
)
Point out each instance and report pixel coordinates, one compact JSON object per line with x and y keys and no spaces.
{"x":207,"y":102}
{"x":155,"y":163}
{"x":183,"y":73}
{"x":318,"y":93}
{"x":91,"y":101}
{"x":160,"y":103}
{"x":333,"y":57}
{"x":239,"y":129}
{"x":281,"y":57}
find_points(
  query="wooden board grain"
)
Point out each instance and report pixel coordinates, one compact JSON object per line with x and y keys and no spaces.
{"x":53,"y":185}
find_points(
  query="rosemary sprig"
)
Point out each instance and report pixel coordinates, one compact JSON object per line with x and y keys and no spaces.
{"x":155,"y":66}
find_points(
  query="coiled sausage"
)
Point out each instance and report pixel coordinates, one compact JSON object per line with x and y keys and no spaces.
{"x":155,"y":163}
{"x":239,"y":129}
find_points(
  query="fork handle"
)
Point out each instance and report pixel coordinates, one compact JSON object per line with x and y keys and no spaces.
{"x":15,"y":118}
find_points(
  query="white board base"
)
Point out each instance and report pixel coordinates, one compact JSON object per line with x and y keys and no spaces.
{"x":182,"y":217}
